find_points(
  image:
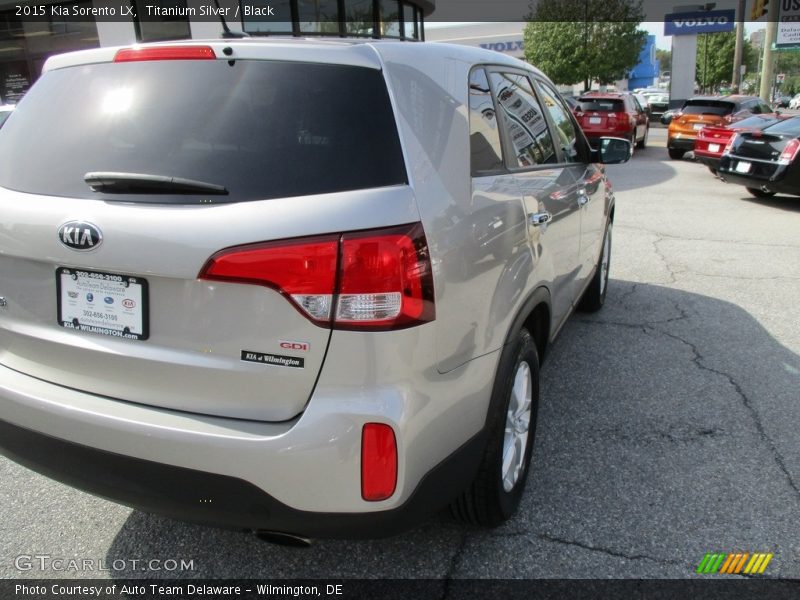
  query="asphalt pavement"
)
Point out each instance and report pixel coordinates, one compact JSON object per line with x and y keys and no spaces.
{"x":667,"y":430}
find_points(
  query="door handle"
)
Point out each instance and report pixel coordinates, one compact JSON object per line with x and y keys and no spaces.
{"x":583,"y":198}
{"x":541,"y":218}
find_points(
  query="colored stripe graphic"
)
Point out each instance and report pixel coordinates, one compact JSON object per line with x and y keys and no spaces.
{"x":734,"y":563}
{"x":759,"y":563}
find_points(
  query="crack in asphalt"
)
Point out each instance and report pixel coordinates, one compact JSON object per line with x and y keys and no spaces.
{"x":455,"y":560}
{"x":697,"y":359}
{"x":740,"y":277}
{"x":673,"y":275}
{"x":627,"y":294}
{"x":661,"y":235}
{"x":607,"y":551}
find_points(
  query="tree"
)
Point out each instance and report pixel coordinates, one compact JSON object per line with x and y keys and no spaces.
{"x":664,"y":58}
{"x":718,"y":67}
{"x":588,"y":40}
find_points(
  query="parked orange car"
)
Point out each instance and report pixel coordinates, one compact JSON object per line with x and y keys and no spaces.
{"x":705,"y":111}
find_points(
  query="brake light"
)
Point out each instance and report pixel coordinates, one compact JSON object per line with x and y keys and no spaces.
{"x":165,"y":53}
{"x":790,"y":151}
{"x":385,"y":279}
{"x":729,"y":145}
{"x":378,"y":462}
{"x":303,"y":270}
{"x":375,"y":280}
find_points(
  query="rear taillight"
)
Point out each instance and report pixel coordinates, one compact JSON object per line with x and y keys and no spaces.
{"x":385,"y":279}
{"x":378,"y":462}
{"x":360,"y":280}
{"x":165,"y":53}
{"x":789,"y":152}
{"x":304,"y":270}
{"x":729,"y":145}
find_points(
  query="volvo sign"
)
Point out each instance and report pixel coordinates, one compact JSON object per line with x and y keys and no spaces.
{"x":692,"y":23}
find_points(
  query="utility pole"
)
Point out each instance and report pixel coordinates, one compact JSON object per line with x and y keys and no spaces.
{"x":770,"y":36}
{"x":736,"y":80}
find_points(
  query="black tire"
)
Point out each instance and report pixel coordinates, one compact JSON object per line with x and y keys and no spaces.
{"x":760,"y":193}
{"x":643,"y":144}
{"x":595,"y":295}
{"x":676,"y":154}
{"x":487,"y":502}
{"x":713,"y":171}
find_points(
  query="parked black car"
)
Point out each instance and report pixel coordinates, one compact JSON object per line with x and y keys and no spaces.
{"x":765,"y":162}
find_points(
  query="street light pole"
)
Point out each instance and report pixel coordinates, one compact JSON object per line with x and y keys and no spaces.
{"x":736,"y":79}
{"x":769,"y":38}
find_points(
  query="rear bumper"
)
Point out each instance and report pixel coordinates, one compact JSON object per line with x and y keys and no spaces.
{"x":224,"y":501}
{"x":765,"y":175}
{"x":712,"y":162}
{"x":680,"y":143}
{"x":301,"y":476}
{"x":594,"y":136}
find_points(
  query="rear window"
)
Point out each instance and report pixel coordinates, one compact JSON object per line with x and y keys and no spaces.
{"x":755,"y":121}
{"x":787,"y":127}
{"x":708,"y":107}
{"x":601,"y":105}
{"x":260,"y":129}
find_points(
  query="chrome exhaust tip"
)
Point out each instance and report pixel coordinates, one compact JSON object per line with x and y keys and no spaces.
{"x":283,"y":539}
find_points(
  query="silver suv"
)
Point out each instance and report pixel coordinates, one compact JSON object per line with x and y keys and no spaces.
{"x":292,"y":286}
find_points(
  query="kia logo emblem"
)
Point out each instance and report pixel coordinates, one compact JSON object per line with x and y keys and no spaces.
{"x":80,"y":235}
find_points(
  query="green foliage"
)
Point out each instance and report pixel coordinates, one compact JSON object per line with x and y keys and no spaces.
{"x":664,"y":59}
{"x":589,"y":40}
{"x":718,"y":69}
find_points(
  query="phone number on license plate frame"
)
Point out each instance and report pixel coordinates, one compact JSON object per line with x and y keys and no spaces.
{"x":104,"y":303}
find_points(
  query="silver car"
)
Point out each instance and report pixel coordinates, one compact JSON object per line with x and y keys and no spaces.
{"x":292,"y":286}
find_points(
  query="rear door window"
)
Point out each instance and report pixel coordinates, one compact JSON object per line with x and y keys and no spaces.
{"x":566,"y":131}
{"x":523,"y":121}
{"x":260,"y":129}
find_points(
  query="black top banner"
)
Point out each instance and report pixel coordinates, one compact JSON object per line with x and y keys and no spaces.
{"x":434,"y":10}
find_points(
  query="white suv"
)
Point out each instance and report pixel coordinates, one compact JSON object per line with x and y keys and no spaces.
{"x":292,"y":286}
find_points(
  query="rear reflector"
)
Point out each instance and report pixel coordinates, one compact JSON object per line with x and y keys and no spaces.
{"x":378,"y":462}
{"x":165,"y":53}
{"x":376,"y":280}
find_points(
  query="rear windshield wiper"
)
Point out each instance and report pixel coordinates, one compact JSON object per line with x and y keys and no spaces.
{"x":141,"y":183}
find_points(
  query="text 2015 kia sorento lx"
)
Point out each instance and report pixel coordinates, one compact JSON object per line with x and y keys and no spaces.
{"x":292,"y":286}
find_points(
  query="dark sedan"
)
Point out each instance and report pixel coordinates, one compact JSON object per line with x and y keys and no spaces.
{"x":711,"y":141}
{"x":765,"y":162}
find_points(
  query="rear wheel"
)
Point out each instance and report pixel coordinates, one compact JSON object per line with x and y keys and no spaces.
{"x":643,"y":144}
{"x":676,"y":154}
{"x":595,"y":295}
{"x":494,"y":495}
{"x":713,"y":171}
{"x":760,"y":193}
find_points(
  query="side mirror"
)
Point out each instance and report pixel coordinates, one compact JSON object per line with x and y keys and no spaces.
{"x":613,"y":151}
